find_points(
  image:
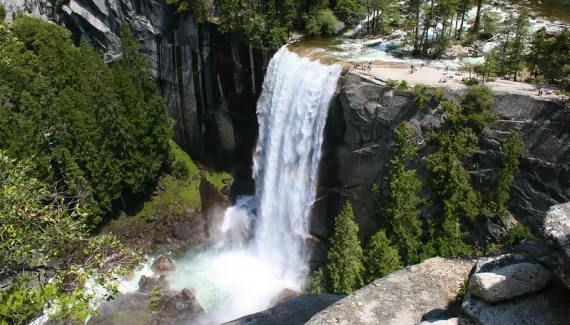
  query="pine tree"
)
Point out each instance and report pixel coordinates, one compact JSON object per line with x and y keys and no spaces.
{"x":380,"y":257}
{"x":512,"y":149}
{"x":517,"y":47}
{"x":345,"y":254}
{"x":316,"y":283}
{"x":398,"y":204}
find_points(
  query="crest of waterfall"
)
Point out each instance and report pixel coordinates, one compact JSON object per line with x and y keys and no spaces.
{"x":263,"y":249}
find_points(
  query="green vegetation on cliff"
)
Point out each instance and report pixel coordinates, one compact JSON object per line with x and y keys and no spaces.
{"x":98,"y":132}
{"x":406,"y":236}
{"x":345,"y":256}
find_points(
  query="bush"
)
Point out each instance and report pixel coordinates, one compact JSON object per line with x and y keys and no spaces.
{"x":404,"y":85}
{"x":180,"y":170}
{"x":316,"y":283}
{"x":391,"y":83}
{"x":323,"y":22}
{"x":380,"y":257}
{"x":470,"y":81}
{"x":518,"y":234}
{"x":2,"y":12}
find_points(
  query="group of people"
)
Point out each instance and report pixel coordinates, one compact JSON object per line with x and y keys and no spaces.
{"x":363,"y":66}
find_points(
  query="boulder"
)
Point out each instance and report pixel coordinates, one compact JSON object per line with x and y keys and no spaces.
{"x":450,"y":321}
{"x":550,"y":306}
{"x":509,"y":282}
{"x":159,"y":237}
{"x":293,"y":312}
{"x":163,"y":265}
{"x":147,"y":284}
{"x":182,"y":230}
{"x":557,"y":235}
{"x":403,"y":297}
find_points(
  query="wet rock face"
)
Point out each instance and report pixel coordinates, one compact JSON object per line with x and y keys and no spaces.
{"x":163,"y":265}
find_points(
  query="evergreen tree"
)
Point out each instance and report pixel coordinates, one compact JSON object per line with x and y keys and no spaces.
{"x":512,"y":150}
{"x":380,"y":257}
{"x":316,"y":284}
{"x":345,"y":254}
{"x":538,"y":51}
{"x":517,"y":47}
{"x":398,"y":204}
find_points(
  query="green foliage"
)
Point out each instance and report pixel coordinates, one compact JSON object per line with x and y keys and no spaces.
{"x":514,"y":59}
{"x":43,"y":231}
{"x":262,"y":24}
{"x":489,"y":68}
{"x":462,"y":290}
{"x":425,"y":96}
{"x":551,"y":57}
{"x":470,"y":81}
{"x":322,"y":22}
{"x":490,"y":23}
{"x":403,"y":85}
{"x":399,"y":201}
{"x":345,"y":255}
{"x":154,"y":297}
{"x":391,"y":83}
{"x":98,"y":132}
{"x":350,"y":11}
{"x":2,"y":13}
{"x":512,"y":150}
{"x":380,"y":257}
{"x":518,"y":234}
{"x":316,"y":284}
{"x":476,"y":108}
{"x":199,"y":8}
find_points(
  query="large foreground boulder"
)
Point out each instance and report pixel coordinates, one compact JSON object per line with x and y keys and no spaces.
{"x":403,"y":297}
{"x":518,"y":275}
{"x":293,"y":312}
{"x":509,"y":282}
{"x":557,"y":234}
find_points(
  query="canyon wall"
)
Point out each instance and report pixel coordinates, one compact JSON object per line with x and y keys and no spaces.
{"x":360,"y":143}
{"x":209,"y":81}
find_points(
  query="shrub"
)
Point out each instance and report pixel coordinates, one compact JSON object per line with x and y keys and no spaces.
{"x":2,"y":12}
{"x":316,"y":283}
{"x":323,"y":22}
{"x":180,"y":170}
{"x":470,"y":81}
{"x":518,"y":234}
{"x":391,"y":83}
{"x":404,"y":85}
{"x":380,"y":257}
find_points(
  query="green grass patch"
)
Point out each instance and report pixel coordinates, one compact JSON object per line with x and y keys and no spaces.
{"x":174,"y":195}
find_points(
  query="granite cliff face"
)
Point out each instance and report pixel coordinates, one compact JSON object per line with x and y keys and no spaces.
{"x":210,"y":82}
{"x":360,"y":144}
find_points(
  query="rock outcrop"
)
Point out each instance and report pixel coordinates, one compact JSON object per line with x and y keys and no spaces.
{"x":549,"y":306}
{"x":509,"y":282}
{"x":402,"y":297}
{"x":557,"y":234}
{"x":293,"y":312}
{"x":360,"y":144}
{"x":210,"y":82}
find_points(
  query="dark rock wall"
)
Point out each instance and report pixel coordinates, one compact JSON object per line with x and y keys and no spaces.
{"x":210,"y":82}
{"x":359,"y":144}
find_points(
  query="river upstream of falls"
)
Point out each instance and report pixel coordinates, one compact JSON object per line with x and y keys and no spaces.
{"x":263,"y":247}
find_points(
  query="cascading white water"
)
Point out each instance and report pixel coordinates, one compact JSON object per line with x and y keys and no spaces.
{"x":263,"y":250}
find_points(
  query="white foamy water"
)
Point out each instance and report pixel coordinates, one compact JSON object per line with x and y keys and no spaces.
{"x":263,"y":249}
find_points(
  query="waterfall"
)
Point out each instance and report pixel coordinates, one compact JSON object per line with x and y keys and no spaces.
{"x":292,"y":112}
{"x":263,"y":250}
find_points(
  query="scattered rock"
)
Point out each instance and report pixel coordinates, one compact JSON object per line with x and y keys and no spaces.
{"x":284,"y":295}
{"x":182,"y":230}
{"x":147,"y":284}
{"x":163,"y":265}
{"x":451,"y":321}
{"x":190,"y":210}
{"x":402,"y":297}
{"x":159,"y":237}
{"x":557,"y":235}
{"x":509,"y":282}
